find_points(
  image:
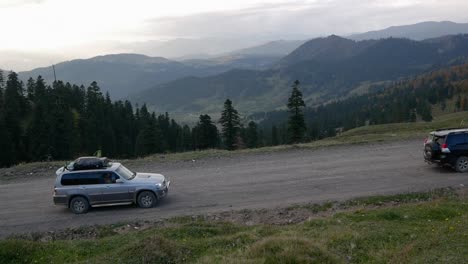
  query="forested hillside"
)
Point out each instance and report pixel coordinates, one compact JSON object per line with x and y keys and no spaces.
{"x":416,"y":99}
{"x":122,"y":74}
{"x":328,"y":68}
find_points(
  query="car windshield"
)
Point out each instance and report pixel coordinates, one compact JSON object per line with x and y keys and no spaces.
{"x":126,"y":173}
{"x":70,"y":166}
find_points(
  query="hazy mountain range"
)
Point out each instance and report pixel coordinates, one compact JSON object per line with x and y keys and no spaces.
{"x":124,"y":74}
{"x":258,"y":77}
{"x":327,"y":67}
{"x":419,"y":31}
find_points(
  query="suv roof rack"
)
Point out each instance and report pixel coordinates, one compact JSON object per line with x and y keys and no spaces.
{"x":88,"y":163}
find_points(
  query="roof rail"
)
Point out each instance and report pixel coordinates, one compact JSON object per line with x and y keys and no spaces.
{"x":450,"y":128}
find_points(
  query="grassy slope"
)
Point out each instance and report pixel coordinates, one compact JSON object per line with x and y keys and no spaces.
{"x":409,"y":228}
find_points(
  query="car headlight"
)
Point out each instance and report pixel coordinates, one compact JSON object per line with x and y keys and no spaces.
{"x":161,"y":184}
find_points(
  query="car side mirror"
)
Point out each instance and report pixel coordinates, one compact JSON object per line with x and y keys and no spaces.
{"x":119,"y":181}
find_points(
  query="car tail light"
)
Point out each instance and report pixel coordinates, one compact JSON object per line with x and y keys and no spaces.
{"x":425,"y":140}
{"x":445,"y":148}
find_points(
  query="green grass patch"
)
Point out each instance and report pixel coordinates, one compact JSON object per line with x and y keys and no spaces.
{"x":431,"y":228}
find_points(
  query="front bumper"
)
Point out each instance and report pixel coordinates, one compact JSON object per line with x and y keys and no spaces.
{"x":163,"y":192}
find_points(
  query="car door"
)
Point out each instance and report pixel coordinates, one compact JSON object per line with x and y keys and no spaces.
{"x":113,"y":191}
{"x":89,"y":184}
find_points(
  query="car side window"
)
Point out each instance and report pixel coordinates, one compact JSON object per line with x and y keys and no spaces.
{"x":456,"y":139}
{"x":80,"y":179}
{"x":109,"y":177}
{"x":70,"y":179}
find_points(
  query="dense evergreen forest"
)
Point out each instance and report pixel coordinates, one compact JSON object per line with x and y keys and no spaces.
{"x":62,"y":121}
{"x":405,"y":101}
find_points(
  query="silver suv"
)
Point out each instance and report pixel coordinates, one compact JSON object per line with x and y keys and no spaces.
{"x":112,"y":184}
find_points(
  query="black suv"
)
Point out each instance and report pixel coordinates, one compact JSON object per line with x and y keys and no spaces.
{"x":448,"y":147}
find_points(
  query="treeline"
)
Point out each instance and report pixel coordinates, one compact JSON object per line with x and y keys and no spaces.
{"x":42,"y":122}
{"x":61,"y":121}
{"x":406,"y":101}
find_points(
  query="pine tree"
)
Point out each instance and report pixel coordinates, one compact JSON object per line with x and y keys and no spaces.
{"x":424,"y":109}
{"x":458,"y":103}
{"x":13,"y":113}
{"x":261,"y":138}
{"x":30,"y":88}
{"x":149,"y":137}
{"x":206,"y":133}
{"x":274,"y":136}
{"x":296,"y":123}
{"x":2,"y":79}
{"x":186,"y":138}
{"x":412,"y":117}
{"x":38,"y":131}
{"x":252,"y":135}
{"x":230,"y":122}
{"x":6,"y":146}
{"x":164,"y":127}
{"x":173,"y":136}
{"x":61,"y":130}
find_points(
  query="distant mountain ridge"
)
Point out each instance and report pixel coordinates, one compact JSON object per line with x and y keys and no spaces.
{"x":126,"y":73}
{"x":272,"y":48}
{"x":257,"y":57}
{"x":419,"y":31}
{"x":122,"y":74}
{"x":330,"y":48}
{"x":328,"y":68}
{"x":271,"y":65}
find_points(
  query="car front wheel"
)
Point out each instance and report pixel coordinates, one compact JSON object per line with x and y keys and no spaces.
{"x":79,"y":205}
{"x":462,"y":164}
{"x":146,"y":199}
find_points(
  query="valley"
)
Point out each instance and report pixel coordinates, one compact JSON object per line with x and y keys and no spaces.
{"x":260,"y":131}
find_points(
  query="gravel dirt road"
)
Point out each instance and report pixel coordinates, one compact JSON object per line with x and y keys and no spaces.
{"x":240,"y":182}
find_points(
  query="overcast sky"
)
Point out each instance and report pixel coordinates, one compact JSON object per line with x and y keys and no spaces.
{"x":82,"y":28}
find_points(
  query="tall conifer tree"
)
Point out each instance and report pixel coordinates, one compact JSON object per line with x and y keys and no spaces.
{"x":230,"y":122}
{"x":296,"y":123}
{"x":206,"y":133}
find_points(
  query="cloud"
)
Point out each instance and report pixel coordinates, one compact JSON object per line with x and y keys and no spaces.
{"x":15,"y":3}
{"x":306,"y":18}
{"x":85,"y":28}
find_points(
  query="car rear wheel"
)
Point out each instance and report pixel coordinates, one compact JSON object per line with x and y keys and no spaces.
{"x":146,"y":199}
{"x":79,"y":205}
{"x":462,"y":164}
